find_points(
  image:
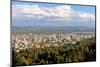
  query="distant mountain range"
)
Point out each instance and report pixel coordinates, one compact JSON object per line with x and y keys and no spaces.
{"x":53,"y":29}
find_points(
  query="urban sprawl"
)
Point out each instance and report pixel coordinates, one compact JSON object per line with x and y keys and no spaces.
{"x":30,"y":40}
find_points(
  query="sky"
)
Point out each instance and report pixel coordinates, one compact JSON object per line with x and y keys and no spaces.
{"x":51,"y":14}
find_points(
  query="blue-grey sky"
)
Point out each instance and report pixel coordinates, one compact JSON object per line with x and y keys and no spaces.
{"x":46,"y":14}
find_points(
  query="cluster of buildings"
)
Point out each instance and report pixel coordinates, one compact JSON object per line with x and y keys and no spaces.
{"x":24,"y":41}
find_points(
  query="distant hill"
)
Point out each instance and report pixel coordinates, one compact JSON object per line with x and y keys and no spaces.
{"x":53,"y":29}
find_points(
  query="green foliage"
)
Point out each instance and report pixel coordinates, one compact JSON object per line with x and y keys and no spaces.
{"x":84,"y":50}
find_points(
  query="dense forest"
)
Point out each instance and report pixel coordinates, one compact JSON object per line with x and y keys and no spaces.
{"x":82,"y":51}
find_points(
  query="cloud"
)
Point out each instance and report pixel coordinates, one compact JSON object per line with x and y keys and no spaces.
{"x":63,"y":12}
